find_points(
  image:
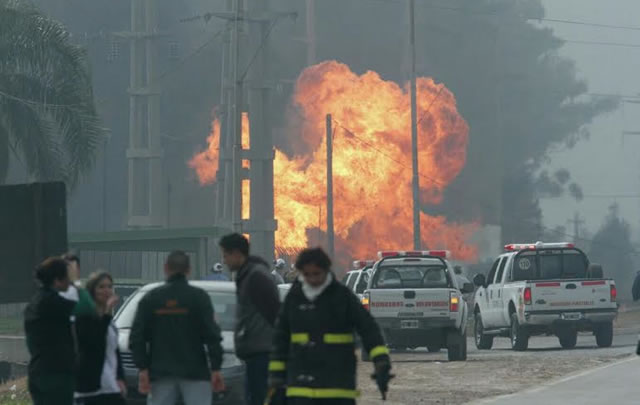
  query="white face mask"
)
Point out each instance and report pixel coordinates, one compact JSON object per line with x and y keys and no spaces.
{"x":312,"y":293}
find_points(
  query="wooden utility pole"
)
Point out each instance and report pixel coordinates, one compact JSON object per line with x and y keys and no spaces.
{"x":330,"y":232}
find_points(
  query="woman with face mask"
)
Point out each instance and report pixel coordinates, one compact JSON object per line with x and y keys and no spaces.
{"x":100,"y":376}
{"x":313,"y":360}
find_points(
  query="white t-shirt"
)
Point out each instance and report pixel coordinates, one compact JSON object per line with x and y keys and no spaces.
{"x":109,"y":379}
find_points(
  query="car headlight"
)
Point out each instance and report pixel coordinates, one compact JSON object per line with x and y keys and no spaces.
{"x":229,"y":360}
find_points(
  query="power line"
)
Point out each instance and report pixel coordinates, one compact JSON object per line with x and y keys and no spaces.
{"x":524,"y":17}
{"x":37,"y":103}
{"x":184,"y":60}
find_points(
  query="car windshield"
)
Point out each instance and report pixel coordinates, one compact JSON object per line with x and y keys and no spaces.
{"x":549,"y":265}
{"x":224,"y":305}
{"x":352,"y":280}
{"x":403,"y":276}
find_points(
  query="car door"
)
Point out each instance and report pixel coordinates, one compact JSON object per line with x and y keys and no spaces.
{"x":485,"y":297}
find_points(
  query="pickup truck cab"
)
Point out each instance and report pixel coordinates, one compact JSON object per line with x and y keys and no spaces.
{"x":416,"y":300}
{"x":543,"y":289}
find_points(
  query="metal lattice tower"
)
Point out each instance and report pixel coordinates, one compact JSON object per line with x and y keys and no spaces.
{"x":147,"y":186}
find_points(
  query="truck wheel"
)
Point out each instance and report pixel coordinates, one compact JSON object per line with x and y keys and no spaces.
{"x":568,"y":338}
{"x":519,"y":335}
{"x":483,"y":342}
{"x":433,"y":348}
{"x":456,"y":346}
{"x":604,"y":334}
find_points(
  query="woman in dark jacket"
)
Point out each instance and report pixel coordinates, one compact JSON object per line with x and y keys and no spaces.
{"x":313,"y":351}
{"x":100,"y":376}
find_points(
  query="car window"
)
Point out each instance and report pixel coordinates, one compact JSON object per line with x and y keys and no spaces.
{"x":352,"y":280}
{"x":550,"y":264}
{"x":498,"y":279}
{"x":492,"y":272}
{"x":362,"y":282}
{"x":224,"y":305}
{"x":412,"y":277}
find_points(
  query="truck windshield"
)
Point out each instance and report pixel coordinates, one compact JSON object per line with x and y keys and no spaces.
{"x":549,"y":265}
{"x":412,"y":277}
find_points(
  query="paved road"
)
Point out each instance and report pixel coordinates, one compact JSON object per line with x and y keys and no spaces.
{"x":615,"y":383}
{"x":624,"y":342}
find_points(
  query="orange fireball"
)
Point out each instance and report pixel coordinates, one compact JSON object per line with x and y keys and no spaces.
{"x":372,"y":162}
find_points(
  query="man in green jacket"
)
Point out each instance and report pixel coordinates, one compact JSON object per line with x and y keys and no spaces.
{"x":173,"y":325}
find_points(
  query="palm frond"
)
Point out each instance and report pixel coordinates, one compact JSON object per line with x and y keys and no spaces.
{"x":46,"y":79}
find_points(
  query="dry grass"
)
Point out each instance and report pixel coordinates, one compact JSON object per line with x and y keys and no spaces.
{"x":15,"y":393}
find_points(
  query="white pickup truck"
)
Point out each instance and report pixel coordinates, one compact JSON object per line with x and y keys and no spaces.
{"x":416,"y":300}
{"x":543,"y":289}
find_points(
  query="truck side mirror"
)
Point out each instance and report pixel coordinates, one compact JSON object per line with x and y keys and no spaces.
{"x":479,"y":280}
{"x":595,"y":271}
{"x":468,"y":288}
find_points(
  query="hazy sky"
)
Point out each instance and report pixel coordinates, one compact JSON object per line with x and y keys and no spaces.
{"x":602,"y":164}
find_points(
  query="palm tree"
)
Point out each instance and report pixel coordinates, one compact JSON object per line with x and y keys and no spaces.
{"x":48,"y":118}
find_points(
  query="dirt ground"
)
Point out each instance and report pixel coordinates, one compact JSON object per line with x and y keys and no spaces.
{"x":423,"y":378}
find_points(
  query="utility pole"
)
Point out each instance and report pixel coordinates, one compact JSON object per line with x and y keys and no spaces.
{"x":417,"y":241}
{"x":236,"y":205}
{"x":330,"y":234}
{"x":577,"y":223}
{"x":311,"y":36}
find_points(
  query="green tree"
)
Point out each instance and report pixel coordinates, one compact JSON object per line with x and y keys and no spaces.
{"x":48,"y":118}
{"x":611,"y":246}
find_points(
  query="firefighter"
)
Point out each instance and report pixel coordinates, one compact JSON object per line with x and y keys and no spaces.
{"x":314,"y":351}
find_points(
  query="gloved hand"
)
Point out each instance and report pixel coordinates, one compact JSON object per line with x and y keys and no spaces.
{"x":276,"y":394}
{"x":382,"y":375}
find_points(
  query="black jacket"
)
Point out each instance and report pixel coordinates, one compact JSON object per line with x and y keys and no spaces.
{"x":173,"y":324}
{"x":258,"y":304}
{"x":91,"y":334}
{"x":314,"y":342}
{"x":47,"y":326}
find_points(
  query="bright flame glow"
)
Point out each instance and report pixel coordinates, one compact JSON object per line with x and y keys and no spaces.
{"x":372,"y":162}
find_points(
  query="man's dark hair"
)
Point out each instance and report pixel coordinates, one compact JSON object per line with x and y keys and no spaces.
{"x":235,"y":242}
{"x":315,"y":256}
{"x":71,"y":257}
{"x":178,"y":262}
{"x":52,"y":269}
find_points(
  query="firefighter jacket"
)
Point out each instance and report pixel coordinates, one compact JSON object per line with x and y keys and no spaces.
{"x":314,"y":345}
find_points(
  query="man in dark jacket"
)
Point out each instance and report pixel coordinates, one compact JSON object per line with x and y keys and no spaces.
{"x":314,"y":340}
{"x":47,"y":325}
{"x":173,"y":324}
{"x":257,"y":309}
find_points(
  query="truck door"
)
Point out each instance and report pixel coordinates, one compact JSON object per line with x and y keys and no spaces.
{"x":495,"y":294}
{"x":486,"y":296}
{"x":498,"y":303}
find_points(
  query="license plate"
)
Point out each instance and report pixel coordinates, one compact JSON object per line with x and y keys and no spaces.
{"x":413,"y":324}
{"x":572,"y":316}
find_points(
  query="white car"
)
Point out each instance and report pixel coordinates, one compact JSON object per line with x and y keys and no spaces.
{"x":416,"y":300}
{"x":540,"y":289}
{"x":223,"y":298}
